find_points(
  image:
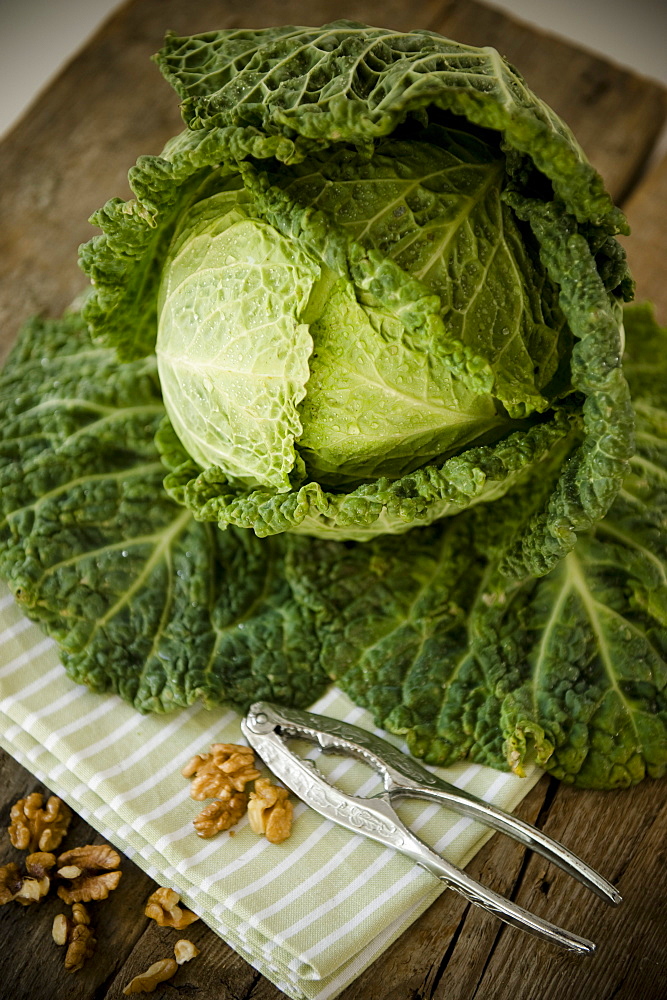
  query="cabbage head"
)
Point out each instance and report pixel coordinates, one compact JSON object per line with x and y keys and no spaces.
{"x":382,"y":284}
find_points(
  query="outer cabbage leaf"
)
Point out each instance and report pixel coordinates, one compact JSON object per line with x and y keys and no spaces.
{"x":255,"y":100}
{"x":348,"y":81}
{"x":142,"y":599}
{"x":570,"y":669}
{"x":387,"y":506}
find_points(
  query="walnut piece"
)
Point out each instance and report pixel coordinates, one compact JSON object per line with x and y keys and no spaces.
{"x":270,"y":811}
{"x":162,"y":907}
{"x":91,"y":871}
{"x":80,"y":914}
{"x":222,"y":813}
{"x":60,"y":928}
{"x":76,"y":934}
{"x":80,"y":948}
{"x":34,"y":828}
{"x":63,"y":925}
{"x":147,"y":981}
{"x":29,"y":886}
{"x":185,"y":950}
{"x":227,"y":766}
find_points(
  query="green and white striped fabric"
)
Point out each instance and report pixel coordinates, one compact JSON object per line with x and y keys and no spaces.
{"x":310,"y":913}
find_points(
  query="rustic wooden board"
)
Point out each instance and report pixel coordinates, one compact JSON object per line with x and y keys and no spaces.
{"x":647,"y":214}
{"x":69,"y":154}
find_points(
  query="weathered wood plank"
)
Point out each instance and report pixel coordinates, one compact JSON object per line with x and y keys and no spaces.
{"x":647,"y":246}
{"x":216,"y":973}
{"x":622,"y":834}
{"x":36,"y":965}
{"x":476,"y":956}
{"x":31,"y":965}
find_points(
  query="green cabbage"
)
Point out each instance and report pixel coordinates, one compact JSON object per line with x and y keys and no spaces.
{"x":382,"y":285}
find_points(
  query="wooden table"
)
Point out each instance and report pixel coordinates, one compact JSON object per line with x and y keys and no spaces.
{"x":68,"y":155}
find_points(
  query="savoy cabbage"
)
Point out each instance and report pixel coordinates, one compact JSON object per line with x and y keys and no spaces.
{"x":382,"y":284}
{"x":373,"y":284}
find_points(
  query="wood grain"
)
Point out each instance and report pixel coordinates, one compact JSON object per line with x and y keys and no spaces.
{"x":646,"y":210}
{"x":69,"y":154}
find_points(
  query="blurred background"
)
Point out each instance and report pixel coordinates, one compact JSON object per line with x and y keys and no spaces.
{"x":38,"y":37}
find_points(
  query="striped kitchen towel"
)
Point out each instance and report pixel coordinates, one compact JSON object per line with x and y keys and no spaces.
{"x":310,"y":913}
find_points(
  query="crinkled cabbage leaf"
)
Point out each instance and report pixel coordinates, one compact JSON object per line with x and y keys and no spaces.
{"x":427,"y":630}
{"x":382,"y":284}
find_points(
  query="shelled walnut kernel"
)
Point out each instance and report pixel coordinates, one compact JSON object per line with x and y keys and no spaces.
{"x":80,"y":948}
{"x":91,"y":870}
{"x":148,"y":981}
{"x":184,"y":951}
{"x":228,"y":766}
{"x":60,"y":928}
{"x":29,"y":886}
{"x":270,"y":811}
{"x":34,"y":827}
{"x":223,"y":775}
{"x":221,"y":814}
{"x":162,"y":907}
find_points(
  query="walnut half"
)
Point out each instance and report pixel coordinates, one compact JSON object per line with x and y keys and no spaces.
{"x":162,"y":907}
{"x":29,"y":886}
{"x":34,"y":828}
{"x":228,"y":766}
{"x":91,"y":871}
{"x":270,"y":811}
{"x":221,"y":814}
